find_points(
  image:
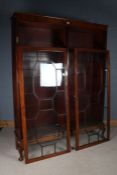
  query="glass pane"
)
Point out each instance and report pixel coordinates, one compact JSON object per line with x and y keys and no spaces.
{"x":44,"y":84}
{"x":91,"y":96}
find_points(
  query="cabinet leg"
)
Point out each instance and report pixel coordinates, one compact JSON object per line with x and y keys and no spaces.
{"x":103,"y":131}
{"x":20,"y":150}
{"x":21,"y":154}
{"x":1,"y":128}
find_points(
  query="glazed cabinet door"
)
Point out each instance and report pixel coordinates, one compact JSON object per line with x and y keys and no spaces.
{"x":92,"y":100}
{"x":43,"y":83}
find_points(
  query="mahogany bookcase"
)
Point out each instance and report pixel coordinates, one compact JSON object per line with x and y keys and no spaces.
{"x":61,"y":85}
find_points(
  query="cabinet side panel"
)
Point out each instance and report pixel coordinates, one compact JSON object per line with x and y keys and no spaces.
{"x":16,"y":100}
